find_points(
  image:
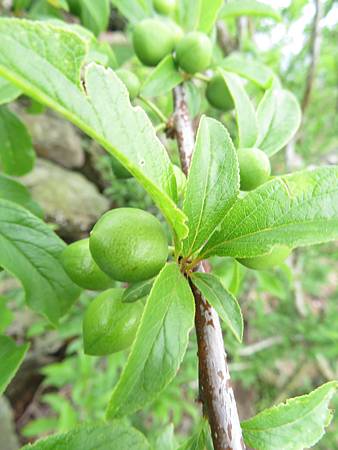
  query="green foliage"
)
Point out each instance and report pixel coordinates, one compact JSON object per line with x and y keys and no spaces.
{"x":278,"y":117}
{"x":293,"y":210}
{"x":15,"y":192}
{"x":17,"y":155}
{"x":94,"y":435}
{"x":137,"y":291}
{"x":245,"y":113}
{"x":163,"y":78}
{"x":11,"y":356}
{"x":222,"y":300}
{"x":31,"y":251}
{"x":95,"y":16}
{"x":207,"y":199}
{"x":38,"y":73}
{"x":297,"y":424}
{"x":237,"y":8}
{"x":8,"y":92}
{"x":277,"y":255}
{"x":156,"y":355}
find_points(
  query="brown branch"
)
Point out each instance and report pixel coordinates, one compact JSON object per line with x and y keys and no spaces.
{"x":216,"y":393}
{"x":315,"y":41}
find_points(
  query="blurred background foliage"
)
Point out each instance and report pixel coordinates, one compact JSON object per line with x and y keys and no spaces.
{"x":291,"y":314}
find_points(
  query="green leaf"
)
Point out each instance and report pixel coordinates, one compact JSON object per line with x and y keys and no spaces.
{"x":137,"y":291}
{"x":30,"y":251}
{"x":49,"y":69}
{"x":278,"y":117}
{"x":11,"y":356}
{"x":94,"y":436}
{"x":6,"y":315}
{"x":208,"y":12}
{"x":189,"y":13}
{"x":295,"y":425}
{"x":245,"y":113}
{"x":236,"y":8}
{"x":200,"y":439}
{"x":222,"y":300}
{"x":160,"y":343}
{"x":162,"y":79}
{"x":134,"y":10}
{"x":59,"y":4}
{"x":212,"y":185}
{"x":95,"y":15}
{"x":8,"y":92}
{"x":252,"y":70}
{"x":293,"y":210}
{"x":17,"y":193}
{"x":17,"y":155}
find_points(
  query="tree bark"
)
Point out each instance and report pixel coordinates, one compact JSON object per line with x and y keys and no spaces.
{"x":216,"y":393}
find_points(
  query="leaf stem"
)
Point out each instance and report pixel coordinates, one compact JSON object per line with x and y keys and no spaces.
{"x":154,"y":108}
{"x":202,"y":77}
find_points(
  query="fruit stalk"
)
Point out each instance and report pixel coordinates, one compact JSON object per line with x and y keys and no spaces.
{"x":216,"y":393}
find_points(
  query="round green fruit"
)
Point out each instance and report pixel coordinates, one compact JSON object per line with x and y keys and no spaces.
{"x":218,"y":94}
{"x":165,"y":6}
{"x":152,"y":41}
{"x":278,"y":254}
{"x":82,"y":269}
{"x":119,"y":170}
{"x":129,"y":244}
{"x":254,"y":168}
{"x":130,"y":80}
{"x":109,"y":325}
{"x":193,"y":52}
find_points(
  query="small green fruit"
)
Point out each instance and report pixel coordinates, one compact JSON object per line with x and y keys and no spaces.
{"x":119,"y":170}
{"x":129,"y":244}
{"x":82,"y":269}
{"x":165,"y":6}
{"x":254,"y":167}
{"x":194,"y":52}
{"x":278,"y":254}
{"x":131,"y":82}
{"x":109,"y":325}
{"x":152,"y":41}
{"x":218,"y":94}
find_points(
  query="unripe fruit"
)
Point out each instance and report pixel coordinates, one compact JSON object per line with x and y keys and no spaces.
{"x":218,"y":94}
{"x":152,"y":41}
{"x":109,"y":325}
{"x":82,"y":269}
{"x":131,"y":82}
{"x":129,"y":244}
{"x":278,"y":254}
{"x":119,"y":170}
{"x":164,"y":6}
{"x":194,"y":52}
{"x":254,"y":168}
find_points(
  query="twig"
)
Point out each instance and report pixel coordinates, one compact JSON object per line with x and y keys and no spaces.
{"x":216,"y":393}
{"x":261,"y":345}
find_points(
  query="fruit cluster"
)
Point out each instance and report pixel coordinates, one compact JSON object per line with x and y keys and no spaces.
{"x":126,"y":245}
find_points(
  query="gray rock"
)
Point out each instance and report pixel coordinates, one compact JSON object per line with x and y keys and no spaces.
{"x":68,"y":199}
{"x":53,"y":137}
{"x":8,"y":438}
